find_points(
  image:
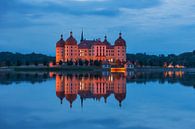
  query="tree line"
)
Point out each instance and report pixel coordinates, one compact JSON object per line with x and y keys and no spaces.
{"x":187,"y":59}
{"x":142,"y":59}
{"x":17,"y":59}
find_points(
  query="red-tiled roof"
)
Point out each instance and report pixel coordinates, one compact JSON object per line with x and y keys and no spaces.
{"x":71,"y":97}
{"x":108,"y":45}
{"x":86,"y":94}
{"x":60,"y":43}
{"x":120,"y":96}
{"x":120,"y":41}
{"x":86,"y":44}
{"x":98,"y":42}
{"x":71,"y":40}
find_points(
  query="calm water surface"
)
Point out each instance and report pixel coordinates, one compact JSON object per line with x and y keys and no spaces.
{"x":133,"y":100}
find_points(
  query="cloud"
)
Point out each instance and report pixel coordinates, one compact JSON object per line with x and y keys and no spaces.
{"x":169,"y":13}
{"x":143,"y":22}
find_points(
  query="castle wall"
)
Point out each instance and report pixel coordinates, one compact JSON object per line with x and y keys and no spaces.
{"x":59,"y":54}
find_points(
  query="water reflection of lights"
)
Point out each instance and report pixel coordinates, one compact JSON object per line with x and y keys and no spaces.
{"x":90,"y":86}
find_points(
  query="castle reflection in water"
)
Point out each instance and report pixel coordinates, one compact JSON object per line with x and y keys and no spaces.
{"x":70,"y":87}
{"x":96,"y":86}
{"x":90,"y":86}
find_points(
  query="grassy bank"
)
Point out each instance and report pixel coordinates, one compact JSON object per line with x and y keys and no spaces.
{"x":86,"y":69}
{"x":64,"y":68}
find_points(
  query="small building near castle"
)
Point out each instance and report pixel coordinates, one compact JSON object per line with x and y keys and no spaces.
{"x":71,"y":50}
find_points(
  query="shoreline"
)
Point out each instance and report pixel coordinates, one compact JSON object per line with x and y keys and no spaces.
{"x":88,"y":69}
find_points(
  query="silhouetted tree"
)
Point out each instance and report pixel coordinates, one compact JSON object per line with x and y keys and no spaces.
{"x":18,"y":63}
{"x":70,"y":63}
{"x":86,"y":62}
{"x":7,"y":63}
{"x":35,"y":63}
{"x":76,"y":63}
{"x":91,"y":62}
{"x":54,"y":62}
{"x":97,"y":63}
{"x":80,"y":62}
{"x":60,"y":63}
{"x":45,"y":63}
{"x":27,"y":63}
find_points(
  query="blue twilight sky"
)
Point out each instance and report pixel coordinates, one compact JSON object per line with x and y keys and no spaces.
{"x":151,"y":26}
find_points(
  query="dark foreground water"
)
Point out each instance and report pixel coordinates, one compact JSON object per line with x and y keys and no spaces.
{"x":132,"y":100}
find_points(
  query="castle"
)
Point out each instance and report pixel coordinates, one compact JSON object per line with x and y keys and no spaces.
{"x":70,"y":50}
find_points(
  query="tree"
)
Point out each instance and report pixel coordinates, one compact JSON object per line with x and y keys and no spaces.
{"x":7,"y":63}
{"x":91,"y":62}
{"x":97,"y":63}
{"x":194,"y":52}
{"x":70,"y":62}
{"x":76,"y":63}
{"x":86,"y":62}
{"x":27,"y":63}
{"x":54,"y":62}
{"x":18,"y":63}
{"x":60,"y":63}
{"x":45,"y":63}
{"x":35,"y":63}
{"x":80,"y":62}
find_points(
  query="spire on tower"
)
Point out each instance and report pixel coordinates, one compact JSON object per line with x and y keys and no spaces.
{"x":105,"y":37}
{"x":82,"y":36}
{"x":120,"y":34}
{"x":81,"y":101}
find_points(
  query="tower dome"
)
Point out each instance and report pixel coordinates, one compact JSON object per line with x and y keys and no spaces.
{"x":120,"y":41}
{"x":61,"y":42}
{"x":120,"y":97}
{"x":71,"y":98}
{"x":60,"y":95}
{"x":106,"y":41}
{"x":71,"y":40}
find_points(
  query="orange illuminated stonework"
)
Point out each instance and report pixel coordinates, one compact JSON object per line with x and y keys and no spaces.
{"x":91,"y":86}
{"x":99,"y":50}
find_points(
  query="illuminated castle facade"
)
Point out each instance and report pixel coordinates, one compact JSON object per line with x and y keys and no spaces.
{"x":70,"y":50}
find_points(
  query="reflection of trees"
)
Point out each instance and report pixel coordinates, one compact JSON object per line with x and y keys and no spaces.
{"x":187,"y":79}
{"x":14,"y":77}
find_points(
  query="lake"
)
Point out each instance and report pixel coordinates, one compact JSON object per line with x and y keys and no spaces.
{"x":103,"y":100}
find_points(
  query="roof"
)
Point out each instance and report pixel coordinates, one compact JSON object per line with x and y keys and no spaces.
{"x":60,"y":94}
{"x":86,"y":94}
{"x":61,"y":42}
{"x":120,"y":96}
{"x":71,"y":97}
{"x":86,"y":44}
{"x":120,"y":41}
{"x":108,"y":45}
{"x":71,"y":40}
{"x":98,"y":42}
